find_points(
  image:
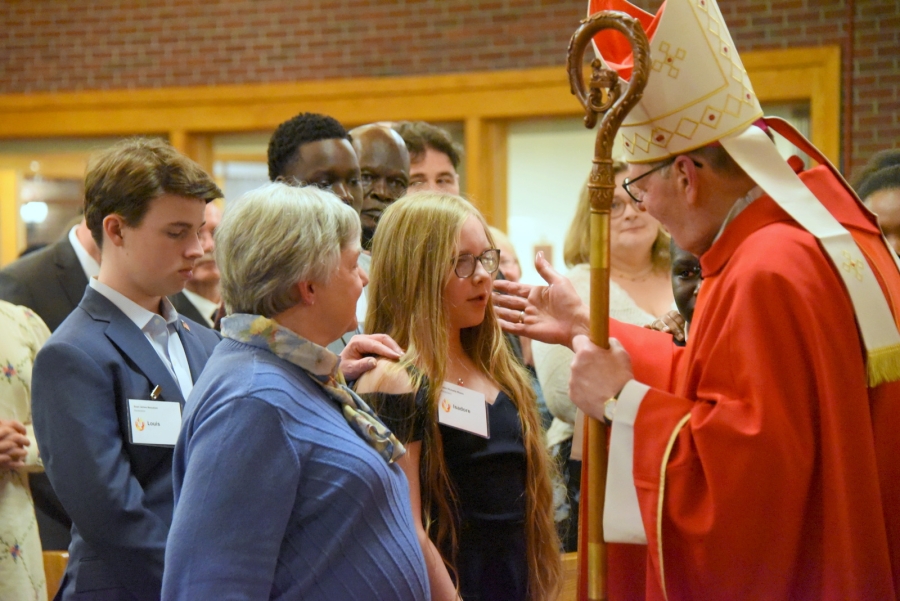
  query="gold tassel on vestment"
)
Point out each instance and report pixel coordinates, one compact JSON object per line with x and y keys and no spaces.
{"x":883,"y":365}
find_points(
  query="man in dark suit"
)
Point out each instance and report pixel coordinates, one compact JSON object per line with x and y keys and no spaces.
{"x":50,"y":282}
{"x":188,"y":309}
{"x":109,"y":384}
{"x":200,"y":298}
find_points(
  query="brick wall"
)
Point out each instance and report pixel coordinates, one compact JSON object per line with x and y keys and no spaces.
{"x":50,"y":46}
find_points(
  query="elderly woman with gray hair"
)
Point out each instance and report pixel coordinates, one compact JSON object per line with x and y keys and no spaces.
{"x":286,"y":485}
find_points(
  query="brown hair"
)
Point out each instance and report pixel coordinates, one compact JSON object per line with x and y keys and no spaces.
{"x":410,"y":267}
{"x":125,"y":177}
{"x":577,"y":246}
{"x":419,"y":135}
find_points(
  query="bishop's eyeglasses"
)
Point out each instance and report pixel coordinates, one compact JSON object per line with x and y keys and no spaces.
{"x":637,"y":194}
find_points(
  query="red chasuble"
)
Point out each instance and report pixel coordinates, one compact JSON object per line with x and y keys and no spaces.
{"x":765,"y":467}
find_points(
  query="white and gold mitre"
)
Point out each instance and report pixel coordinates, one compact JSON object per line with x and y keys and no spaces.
{"x":698,"y":90}
{"x":698,"y":93}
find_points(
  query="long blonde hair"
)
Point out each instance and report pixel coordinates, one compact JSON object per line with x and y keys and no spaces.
{"x":412,"y":255}
{"x":577,"y":245}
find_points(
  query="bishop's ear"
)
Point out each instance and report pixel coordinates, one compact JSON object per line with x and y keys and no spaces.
{"x":687,"y":173}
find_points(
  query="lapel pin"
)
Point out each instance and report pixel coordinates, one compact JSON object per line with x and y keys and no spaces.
{"x":154,"y":394}
{"x":186,"y":326}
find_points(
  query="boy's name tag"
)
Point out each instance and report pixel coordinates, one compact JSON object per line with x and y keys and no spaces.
{"x":155,"y":423}
{"x":463,"y":409}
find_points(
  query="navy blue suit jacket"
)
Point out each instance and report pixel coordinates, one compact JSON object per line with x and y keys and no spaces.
{"x":118,"y":494}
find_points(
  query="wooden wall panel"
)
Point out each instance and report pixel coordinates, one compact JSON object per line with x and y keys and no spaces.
{"x":484,"y":101}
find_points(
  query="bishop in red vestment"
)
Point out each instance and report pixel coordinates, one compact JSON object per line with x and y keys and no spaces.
{"x":761,"y":461}
{"x":765,"y":467}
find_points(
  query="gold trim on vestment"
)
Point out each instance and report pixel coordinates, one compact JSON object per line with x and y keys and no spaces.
{"x":883,"y":365}
{"x":659,"y":506}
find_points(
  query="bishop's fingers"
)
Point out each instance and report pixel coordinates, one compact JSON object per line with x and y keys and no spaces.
{"x":512,"y":314}
{"x":512,"y":288}
{"x":511,"y":327}
{"x":510,"y":303}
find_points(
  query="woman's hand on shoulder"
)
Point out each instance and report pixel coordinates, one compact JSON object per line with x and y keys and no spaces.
{"x":360,"y":354}
{"x":387,"y":376}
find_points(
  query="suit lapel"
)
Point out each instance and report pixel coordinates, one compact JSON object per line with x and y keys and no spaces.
{"x":185,"y":307}
{"x":132,"y":343}
{"x":193,"y":349}
{"x":69,"y":271}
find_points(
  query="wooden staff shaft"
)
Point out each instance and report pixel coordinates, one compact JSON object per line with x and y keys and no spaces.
{"x":606,"y":96}
{"x":601,"y":199}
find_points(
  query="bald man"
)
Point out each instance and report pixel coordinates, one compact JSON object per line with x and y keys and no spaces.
{"x":384,"y":165}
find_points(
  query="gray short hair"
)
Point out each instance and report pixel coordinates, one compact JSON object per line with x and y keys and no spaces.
{"x":278,"y":235}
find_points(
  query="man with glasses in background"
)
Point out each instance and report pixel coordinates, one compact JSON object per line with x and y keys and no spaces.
{"x":200,"y":298}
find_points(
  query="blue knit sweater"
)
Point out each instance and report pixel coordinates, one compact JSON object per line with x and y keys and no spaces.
{"x":277,"y":498}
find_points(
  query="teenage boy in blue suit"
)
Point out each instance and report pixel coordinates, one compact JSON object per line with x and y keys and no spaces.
{"x":109,"y":384}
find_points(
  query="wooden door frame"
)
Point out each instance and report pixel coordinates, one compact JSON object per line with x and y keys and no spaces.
{"x":485,"y":102}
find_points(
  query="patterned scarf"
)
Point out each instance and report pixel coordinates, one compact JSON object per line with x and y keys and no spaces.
{"x":322,"y":365}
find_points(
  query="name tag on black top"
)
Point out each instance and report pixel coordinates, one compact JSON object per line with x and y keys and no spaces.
{"x":464,"y":409}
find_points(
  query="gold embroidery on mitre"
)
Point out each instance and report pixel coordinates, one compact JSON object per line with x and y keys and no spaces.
{"x":733,"y":106}
{"x":856,"y":266}
{"x":660,"y":136}
{"x":686,"y":128}
{"x":668,"y":59}
{"x":705,"y":83}
{"x":711,"y":117}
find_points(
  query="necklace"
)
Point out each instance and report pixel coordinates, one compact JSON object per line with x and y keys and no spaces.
{"x":638,"y":278}
{"x":460,"y":382}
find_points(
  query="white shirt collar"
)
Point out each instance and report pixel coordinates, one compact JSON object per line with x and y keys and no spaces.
{"x":88,"y":264}
{"x":136,"y":313}
{"x":739,"y":205}
{"x":205,"y":307}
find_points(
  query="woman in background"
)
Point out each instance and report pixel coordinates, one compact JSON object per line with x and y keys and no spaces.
{"x":483,"y":505}
{"x":640,"y":290}
{"x":21,"y":562}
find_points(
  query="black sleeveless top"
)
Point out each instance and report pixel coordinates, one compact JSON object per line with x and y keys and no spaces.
{"x":489,"y":477}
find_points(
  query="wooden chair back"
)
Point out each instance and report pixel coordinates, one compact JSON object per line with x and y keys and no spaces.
{"x":570,"y":577}
{"x":54,"y":567}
